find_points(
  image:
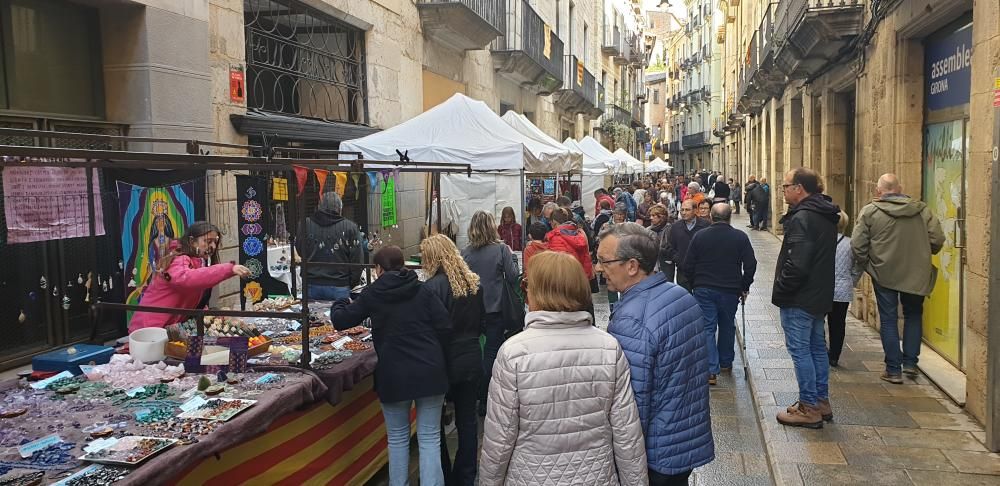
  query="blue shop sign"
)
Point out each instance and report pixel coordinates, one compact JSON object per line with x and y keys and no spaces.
{"x":948,"y":70}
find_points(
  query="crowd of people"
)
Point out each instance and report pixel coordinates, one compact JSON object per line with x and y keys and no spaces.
{"x":567,"y":403}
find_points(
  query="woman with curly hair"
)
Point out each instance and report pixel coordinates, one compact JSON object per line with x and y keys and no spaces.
{"x":493,"y":261}
{"x":450,"y":279}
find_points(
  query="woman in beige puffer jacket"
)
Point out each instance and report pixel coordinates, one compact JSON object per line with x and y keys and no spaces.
{"x":561,"y":409}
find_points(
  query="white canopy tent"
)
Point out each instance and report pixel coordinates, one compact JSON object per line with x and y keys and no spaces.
{"x":597,"y":166}
{"x":633,"y":165}
{"x":464,"y":130}
{"x":658,"y":165}
{"x":524,"y":126}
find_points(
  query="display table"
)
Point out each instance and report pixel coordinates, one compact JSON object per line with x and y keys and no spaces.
{"x":315,"y":428}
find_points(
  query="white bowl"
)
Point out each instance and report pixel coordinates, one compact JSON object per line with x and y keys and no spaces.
{"x":147,"y":344}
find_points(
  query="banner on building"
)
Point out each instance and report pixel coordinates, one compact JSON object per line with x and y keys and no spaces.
{"x":49,"y":203}
{"x":151,"y":218}
{"x":948,"y":69}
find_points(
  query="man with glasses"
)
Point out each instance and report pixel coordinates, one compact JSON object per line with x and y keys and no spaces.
{"x":679,"y":238}
{"x":803,"y":290}
{"x":661,"y":331}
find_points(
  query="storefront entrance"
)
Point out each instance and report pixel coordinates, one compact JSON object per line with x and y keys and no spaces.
{"x":947,"y":81}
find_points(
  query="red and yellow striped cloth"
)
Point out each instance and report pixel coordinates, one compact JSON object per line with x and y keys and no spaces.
{"x":325,"y":444}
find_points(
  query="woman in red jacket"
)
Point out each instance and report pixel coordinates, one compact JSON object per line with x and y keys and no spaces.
{"x":185,"y":277}
{"x":568,"y":238}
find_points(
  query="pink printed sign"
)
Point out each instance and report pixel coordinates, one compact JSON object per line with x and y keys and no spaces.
{"x":48,"y":203}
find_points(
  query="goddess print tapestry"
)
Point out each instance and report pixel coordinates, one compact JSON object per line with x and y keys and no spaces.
{"x":151,"y":218}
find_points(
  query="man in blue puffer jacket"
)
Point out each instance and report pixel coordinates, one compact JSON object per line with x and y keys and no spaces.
{"x":661,"y":329}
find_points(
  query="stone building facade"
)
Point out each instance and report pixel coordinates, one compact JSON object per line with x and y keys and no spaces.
{"x":909,"y":89}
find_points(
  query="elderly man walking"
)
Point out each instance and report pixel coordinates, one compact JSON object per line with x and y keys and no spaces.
{"x":679,"y":239}
{"x":720,"y":265}
{"x":803,"y":289}
{"x":893,"y":241}
{"x":660,"y":328}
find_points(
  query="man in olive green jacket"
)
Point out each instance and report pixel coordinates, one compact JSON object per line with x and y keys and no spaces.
{"x":893,"y":241}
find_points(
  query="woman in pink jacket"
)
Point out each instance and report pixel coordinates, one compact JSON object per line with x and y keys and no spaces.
{"x":185,"y":278}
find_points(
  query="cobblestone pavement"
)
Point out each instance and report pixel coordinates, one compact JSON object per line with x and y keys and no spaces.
{"x":909,"y":434}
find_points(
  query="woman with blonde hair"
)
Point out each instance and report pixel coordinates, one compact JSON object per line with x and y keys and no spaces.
{"x":450,"y":279}
{"x":561,"y":409}
{"x":494,"y":262}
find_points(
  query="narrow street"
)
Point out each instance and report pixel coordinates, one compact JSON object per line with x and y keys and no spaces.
{"x":909,"y":434}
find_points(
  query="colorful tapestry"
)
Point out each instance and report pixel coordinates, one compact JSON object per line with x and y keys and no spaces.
{"x":151,"y":217}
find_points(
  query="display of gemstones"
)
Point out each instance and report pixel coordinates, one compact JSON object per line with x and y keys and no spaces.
{"x":130,"y":450}
{"x":24,"y":479}
{"x":275,"y":304}
{"x":219,"y":327}
{"x":100,"y":475}
{"x":123,"y":372}
{"x":357,"y":346}
{"x":355,"y":331}
{"x":188,"y":431}
{"x":221,"y":409}
{"x":330,"y":358}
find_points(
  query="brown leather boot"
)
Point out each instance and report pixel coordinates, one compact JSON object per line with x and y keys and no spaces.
{"x":824,"y":409}
{"x":803,"y":416}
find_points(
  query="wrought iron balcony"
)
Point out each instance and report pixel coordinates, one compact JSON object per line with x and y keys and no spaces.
{"x":695,"y":140}
{"x":529,"y":53}
{"x":675,"y":147}
{"x":615,"y":112}
{"x":578,"y":94}
{"x":809,"y":33}
{"x":462,"y":24}
{"x":625,"y":56}
{"x":612,"y":43}
{"x":637,"y":114}
{"x":761,"y":79}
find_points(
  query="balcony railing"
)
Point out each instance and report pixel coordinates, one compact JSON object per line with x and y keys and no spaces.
{"x":612,"y":43}
{"x":696,"y":140}
{"x":808,"y":33}
{"x":675,"y":147}
{"x":616,"y":112}
{"x":529,"y":53}
{"x":579,"y":89}
{"x":465,"y":24}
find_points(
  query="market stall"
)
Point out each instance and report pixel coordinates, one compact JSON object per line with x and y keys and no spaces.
{"x":271,"y":388}
{"x":467,"y":131}
{"x":548,"y":187}
{"x":658,"y":166}
{"x":598,"y":166}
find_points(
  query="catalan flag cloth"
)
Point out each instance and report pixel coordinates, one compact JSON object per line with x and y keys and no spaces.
{"x":324,"y":444}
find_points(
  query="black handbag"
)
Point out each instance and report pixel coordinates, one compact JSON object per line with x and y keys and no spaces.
{"x":511,"y":304}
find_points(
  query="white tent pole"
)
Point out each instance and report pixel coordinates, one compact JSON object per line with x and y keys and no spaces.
{"x":524,"y":227}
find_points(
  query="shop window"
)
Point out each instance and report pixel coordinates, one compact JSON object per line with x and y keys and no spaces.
{"x":51,"y":58}
{"x":303,"y":62}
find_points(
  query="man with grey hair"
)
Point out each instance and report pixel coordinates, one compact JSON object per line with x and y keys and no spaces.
{"x":679,"y":238}
{"x":893,"y":241}
{"x":328,"y":237}
{"x":661,"y":331}
{"x":720,"y":265}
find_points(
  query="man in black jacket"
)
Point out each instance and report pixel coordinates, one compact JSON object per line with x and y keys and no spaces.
{"x":720,"y":265}
{"x":331,"y":238}
{"x":761,"y":203}
{"x":748,"y":201}
{"x":679,"y":238}
{"x":803,"y":289}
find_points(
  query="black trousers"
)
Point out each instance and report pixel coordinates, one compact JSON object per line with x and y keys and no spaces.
{"x":836,"y":320}
{"x":683,"y":281}
{"x":463,"y":471}
{"x":657,"y":479}
{"x":736,"y":205}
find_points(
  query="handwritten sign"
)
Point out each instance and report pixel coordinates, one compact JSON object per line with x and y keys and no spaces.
{"x":49,"y":203}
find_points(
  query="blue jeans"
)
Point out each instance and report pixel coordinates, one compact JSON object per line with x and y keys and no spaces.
{"x":888,"y":316}
{"x":719,"y":309}
{"x":397,"y":427}
{"x":328,"y":292}
{"x":806,"y":342}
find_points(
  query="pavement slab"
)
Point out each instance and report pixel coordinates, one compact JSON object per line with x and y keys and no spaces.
{"x":881,"y":433}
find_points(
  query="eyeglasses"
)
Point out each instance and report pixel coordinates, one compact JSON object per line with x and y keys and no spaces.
{"x":786,"y":186}
{"x":605,"y":262}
